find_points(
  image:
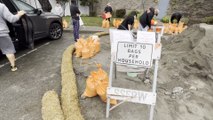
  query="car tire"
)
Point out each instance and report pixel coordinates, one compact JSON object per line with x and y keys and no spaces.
{"x":55,"y":31}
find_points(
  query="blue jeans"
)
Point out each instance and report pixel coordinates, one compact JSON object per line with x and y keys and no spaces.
{"x":75,"y":29}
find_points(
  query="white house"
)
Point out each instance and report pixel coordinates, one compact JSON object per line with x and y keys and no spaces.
{"x":35,"y":3}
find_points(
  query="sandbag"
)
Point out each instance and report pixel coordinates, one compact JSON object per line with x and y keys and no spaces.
{"x":91,"y":86}
{"x":85,"y":53}
{"x":158,"y":30}
{"x":97,"y":84}
{"x":117,"y":22}
{"x":78,"y":49}
{"x":105,"y":24}
{"x":174,"y":28}
{"x":87,"y":48}
{"x":136,"y":24}
{"x":97,"y":46}
{"x":65,"y":24}
{"x":51,"y":108}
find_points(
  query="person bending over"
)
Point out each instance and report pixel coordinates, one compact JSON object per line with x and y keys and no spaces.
{"x":128,"y":22}
{"x":146,"y":17}
{"x":176,"y":16}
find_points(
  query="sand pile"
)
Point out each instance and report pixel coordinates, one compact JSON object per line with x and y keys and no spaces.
{"x":185,"y":75}
{"x":195,"y":10}
{"x":192,"y":51}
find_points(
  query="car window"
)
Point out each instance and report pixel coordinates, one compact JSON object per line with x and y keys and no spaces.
{"x":24,"y":6}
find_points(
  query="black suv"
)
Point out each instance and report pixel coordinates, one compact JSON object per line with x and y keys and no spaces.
{"x":35,"y":25}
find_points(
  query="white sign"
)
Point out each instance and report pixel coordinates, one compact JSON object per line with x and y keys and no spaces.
{"x":138,"y":54}
{"x":146,"y":37}
{"x":119,"y":35}
{"x":157,"y":51}
{"x":134,"y":96}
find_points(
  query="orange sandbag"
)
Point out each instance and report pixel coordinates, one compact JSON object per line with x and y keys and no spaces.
{"x":102,"y":75}
{"x":65,"y":24}
{"x":150,"y":30}
{"x":85,"y":53}
{"x":97,"y":84}
{"x":152,"y":22}
{"x":105,"y":24}
{"x":82,"y":41}
{"x":102,"y":92}
{"x":91,"y":87}
{"x":114,"y":22}
{"x":96,"y":42}
{"x":78,"y":49}
{"x":117,"y":22}
{"x":166,"y":28}
{"x":92,"y":49}
{"x":158,"y":30}
{"x":136,"y":24}
{"x":102,"y":84}
{"x":97,"y":46}
{"x":180,"y":27}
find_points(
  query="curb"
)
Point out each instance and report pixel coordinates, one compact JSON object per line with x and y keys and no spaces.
{"x":82,"y":31}
{"x":86,"y":30}
{"x":100,"y":34}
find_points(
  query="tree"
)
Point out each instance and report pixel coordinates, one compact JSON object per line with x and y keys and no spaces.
{"x":45,"y":4}
{"x":89,"y":3}
{"x":63,"y":4}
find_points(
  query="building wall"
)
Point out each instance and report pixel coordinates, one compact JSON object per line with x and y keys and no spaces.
{"x":129,"y":5}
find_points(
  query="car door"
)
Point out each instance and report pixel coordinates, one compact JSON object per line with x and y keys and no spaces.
{"x":36,"y":16}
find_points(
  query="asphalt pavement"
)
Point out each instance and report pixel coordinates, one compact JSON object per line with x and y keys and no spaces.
{"x":38,"y":71}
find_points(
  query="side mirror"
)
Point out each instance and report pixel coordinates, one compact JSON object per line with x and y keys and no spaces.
{"x":38,"y":11}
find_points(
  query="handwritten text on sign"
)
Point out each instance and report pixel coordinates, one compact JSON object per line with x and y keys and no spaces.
{"x":130,"y":53}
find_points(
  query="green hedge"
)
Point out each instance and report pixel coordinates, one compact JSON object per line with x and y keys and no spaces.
{"x":208,"y":20}
{"x":120,"y":13}
{"x":166,"y":19}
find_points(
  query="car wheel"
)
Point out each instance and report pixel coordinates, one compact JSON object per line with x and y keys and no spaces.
{"x":55,"y":31}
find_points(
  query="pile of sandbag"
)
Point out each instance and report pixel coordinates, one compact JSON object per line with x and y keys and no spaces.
{"x":117,"y":22}
{"x":174,"y":28}
{"x":97,"y":84}
{"x":65,"y":24}
{"x":136,"y":24}
{"x":105,"y":23}
{"x":87,"y":48}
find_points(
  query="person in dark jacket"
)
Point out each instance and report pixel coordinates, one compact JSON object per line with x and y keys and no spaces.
{"x":75,"y":15}
{"x":108,"y":9}
{"x":176,"y":16}
{"x":128,"y":22}
{"x":6,"y":44}
{"x":146,"y":17}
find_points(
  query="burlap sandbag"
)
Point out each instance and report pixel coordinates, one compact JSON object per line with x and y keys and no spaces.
{"x":51,"y":108}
